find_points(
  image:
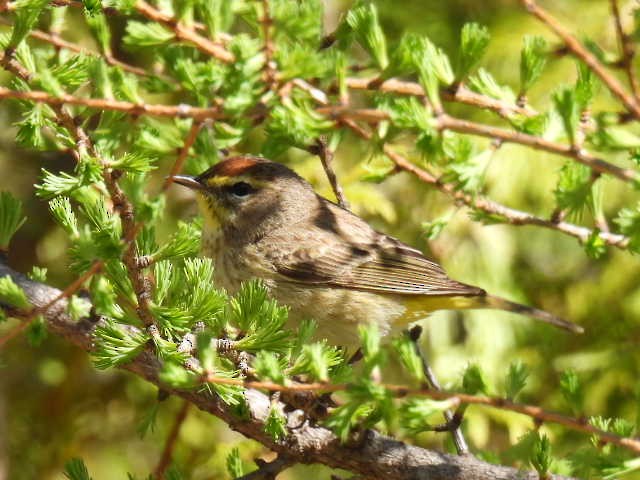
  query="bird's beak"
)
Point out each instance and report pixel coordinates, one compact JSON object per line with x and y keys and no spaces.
{"x":187,"y":181}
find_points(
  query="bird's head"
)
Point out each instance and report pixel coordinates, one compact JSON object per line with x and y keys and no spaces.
{"x":249,"y":194}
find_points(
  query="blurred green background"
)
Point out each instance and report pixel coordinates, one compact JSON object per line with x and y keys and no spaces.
{"x":54,"y":405}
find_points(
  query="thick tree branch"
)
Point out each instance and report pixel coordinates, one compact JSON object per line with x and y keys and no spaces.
{"x":373,"y":455}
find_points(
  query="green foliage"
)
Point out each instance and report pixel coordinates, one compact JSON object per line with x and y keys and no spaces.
{"x":533,"y":59}
{"x":567,"y":107}
{"x":78,"y":308}
{"x":629,"y":222}
{"x":63,"y":214}
{"x":27,"y":14}
{"x":116,"y":344}
{"x":318,"y":360}
{"x":261,"y":319}
{"x":483,"y":82}
{"x":572,"y":390}
{"x":406,"y":350}
{"x":11,"y":294}
{"x":574,"y":191}
{"x":276,"y":423}
{"x":516,"y":379}
{"x":415,"y":413}
{"x":586,"y":86}
{"x":11,"y":218}
{"x":134,"y":162}
{"x":268,"y":366}
{"x":38,"y":274}
{"x":37,"y":331}
{"x":474,"y":40}
{"x":541,"y":455}
{"x":295,"y":125}
{"x":75,"y":469}
{"x":183,"y":243}
{"x":234,"y":463}
{"x":149,"y":421}
{"x":141,"y":34}
{"x":473,"y":380}
{"x":363,"y":22}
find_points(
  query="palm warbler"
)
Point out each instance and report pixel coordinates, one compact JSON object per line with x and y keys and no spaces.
{"x":261,"y":220}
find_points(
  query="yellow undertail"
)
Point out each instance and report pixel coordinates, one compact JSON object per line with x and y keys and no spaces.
{"x":419,"y":306}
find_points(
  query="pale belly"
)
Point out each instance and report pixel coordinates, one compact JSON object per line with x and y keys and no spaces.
{"x":337,"y":311}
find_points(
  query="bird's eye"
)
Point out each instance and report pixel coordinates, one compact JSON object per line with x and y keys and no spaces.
{"x":241,"y":189}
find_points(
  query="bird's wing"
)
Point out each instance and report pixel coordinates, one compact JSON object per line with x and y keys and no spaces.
{"x":364,"y":260}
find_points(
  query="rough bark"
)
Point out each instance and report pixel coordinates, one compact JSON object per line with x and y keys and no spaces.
{"x":373,"y":456}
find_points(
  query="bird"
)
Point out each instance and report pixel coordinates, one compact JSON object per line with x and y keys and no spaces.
{"x":261,"y":220}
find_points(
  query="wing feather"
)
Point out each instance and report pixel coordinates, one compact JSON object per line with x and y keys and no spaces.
{"x":381,"y":264}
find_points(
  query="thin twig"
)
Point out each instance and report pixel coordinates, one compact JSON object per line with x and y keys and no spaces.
{"x":574,"y":45}
{"x":266,"y":22}
{"x":185,"y":33}
{"x":268,"y":470}
{"x":456,"y":433}
{"x":172,"y":440}
{"x":628,"y":49}
{"x":174,"y":111}
{"x":533,"y":411}
{"x":184,"y":153}
{"x":460,"y":94}
{"x":510,"y":215}
{"x":59,"y":42}
{"x":446,"y":122}
{"x":597,"y":164}
{"x":322,"y":150}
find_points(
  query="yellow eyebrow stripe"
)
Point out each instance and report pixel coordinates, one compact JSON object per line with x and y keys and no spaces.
{"x":220,"y":181}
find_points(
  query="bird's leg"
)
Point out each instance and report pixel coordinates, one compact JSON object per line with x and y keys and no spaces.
{"x":453,"y":421}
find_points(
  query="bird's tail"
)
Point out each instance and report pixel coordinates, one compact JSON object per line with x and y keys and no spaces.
{"x":491,"y":301}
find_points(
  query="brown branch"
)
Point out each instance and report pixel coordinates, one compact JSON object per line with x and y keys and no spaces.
{"x":175,"y":111}
{"x":372,"y":456}
{"x":185,"y":33}
{"x":445,"y":122}
{"x":597,"y":164}
{"x":459,"y":94}
{"x":628,"y":50}
{"x":322,"y":150}
{"x":268,"y":470}
{"x":266,"y":22}
{"x":510,"y":215}
{"x":59,"y":42}
{"x":170,"y":444}
{"x":184,"y":153}
{"x":574,"y":45}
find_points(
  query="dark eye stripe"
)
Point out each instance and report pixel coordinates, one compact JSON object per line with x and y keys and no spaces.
{"x":241,"y":189}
